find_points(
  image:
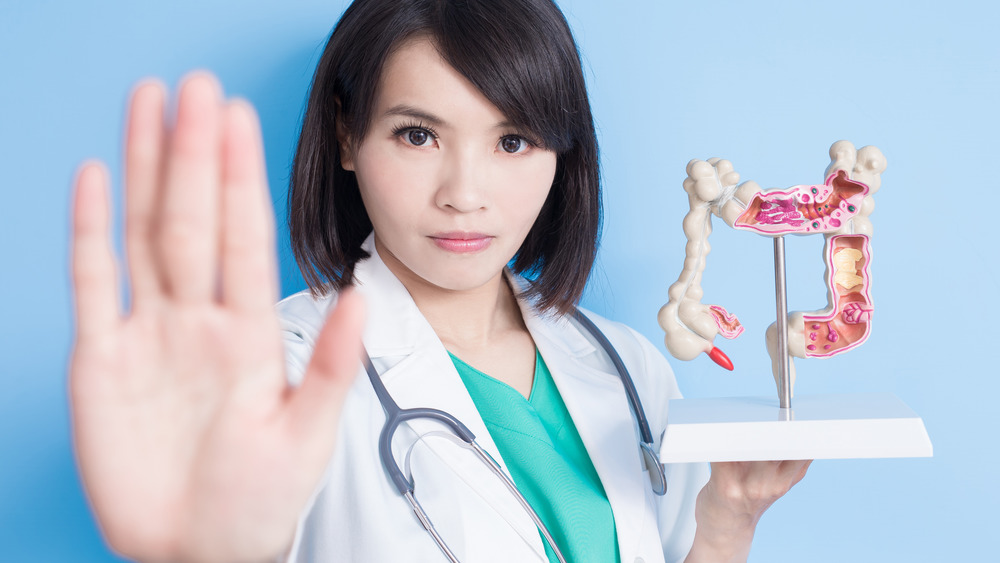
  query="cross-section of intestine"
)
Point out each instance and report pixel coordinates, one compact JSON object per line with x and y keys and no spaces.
{"x":847,"y":321}
{"x":838,"y":209}
{"x":804,"y":209}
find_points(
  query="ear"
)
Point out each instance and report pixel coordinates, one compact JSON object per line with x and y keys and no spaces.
{"x":344,"y":140}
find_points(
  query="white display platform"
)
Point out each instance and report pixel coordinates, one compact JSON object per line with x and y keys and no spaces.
{"x":865,"y":425}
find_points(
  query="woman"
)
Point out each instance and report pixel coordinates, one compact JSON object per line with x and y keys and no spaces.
{"x":443,"y":140}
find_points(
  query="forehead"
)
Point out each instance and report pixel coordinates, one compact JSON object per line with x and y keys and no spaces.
{"x":417,"y":76}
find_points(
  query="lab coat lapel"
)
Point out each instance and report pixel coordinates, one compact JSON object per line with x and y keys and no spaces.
{"x":418,"y":373}
{"x":413,"y":364}
{"x":596,"y":400}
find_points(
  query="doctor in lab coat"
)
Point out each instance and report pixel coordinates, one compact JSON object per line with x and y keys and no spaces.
{"x":191,"y":443}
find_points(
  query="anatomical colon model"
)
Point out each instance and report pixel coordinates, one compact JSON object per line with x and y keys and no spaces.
{"x":838,"y":209}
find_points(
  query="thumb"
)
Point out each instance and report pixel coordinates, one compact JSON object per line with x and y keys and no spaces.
{"x":318,"y":401}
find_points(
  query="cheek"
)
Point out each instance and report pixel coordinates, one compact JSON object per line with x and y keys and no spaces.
{"x":529,"y":189}
{"x":389,"y":188}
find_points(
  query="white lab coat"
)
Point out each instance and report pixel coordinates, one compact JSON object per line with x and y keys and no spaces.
{"x":357,"y":515}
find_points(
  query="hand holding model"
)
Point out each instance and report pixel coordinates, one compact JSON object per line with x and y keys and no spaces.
{"x":733,"y":501}
{"x":191,"y":445}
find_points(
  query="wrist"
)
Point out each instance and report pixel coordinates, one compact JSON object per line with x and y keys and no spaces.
{"x":725,"y":529}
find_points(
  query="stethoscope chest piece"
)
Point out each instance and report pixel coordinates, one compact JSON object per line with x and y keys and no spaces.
{"x":657,"y":476}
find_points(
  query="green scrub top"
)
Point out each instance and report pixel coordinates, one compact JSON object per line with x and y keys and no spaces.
{"x":547,"y":460}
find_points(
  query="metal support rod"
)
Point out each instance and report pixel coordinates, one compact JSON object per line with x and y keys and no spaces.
{"x":781,"y":299}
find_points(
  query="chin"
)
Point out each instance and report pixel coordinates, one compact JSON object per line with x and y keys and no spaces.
{"x":459,"y":277}
{"x":447,"y":272}
{"x":458,"y":282}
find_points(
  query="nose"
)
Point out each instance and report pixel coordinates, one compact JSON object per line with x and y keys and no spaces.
{"x":463,"y":182}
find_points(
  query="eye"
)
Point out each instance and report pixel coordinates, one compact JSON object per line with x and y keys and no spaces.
{"x":415,"y":134}
{"x":417,"y":137}
{"x":513,"y":144}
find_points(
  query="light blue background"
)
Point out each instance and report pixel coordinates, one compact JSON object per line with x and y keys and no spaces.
{"x":769,"y":85}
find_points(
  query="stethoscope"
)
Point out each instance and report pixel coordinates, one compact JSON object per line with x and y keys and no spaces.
{"x":396,"y":416}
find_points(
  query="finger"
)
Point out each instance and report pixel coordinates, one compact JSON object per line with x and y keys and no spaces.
{"x":249,"y":270}
{"x":317,"y":402}
{"x":187,"y":231}
{"x":94,"y":268}
{"x":143,"y":173}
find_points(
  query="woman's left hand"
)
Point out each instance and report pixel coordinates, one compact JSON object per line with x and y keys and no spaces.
{"x":732,"y":502}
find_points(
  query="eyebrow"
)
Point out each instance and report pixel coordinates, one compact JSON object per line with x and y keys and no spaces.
{"x":410,"y":111}
{"x":405,"y":110}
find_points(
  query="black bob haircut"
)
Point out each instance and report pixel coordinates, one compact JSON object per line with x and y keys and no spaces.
{"x":521,"y":55}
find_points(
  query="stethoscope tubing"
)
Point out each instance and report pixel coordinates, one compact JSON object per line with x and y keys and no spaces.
{"x":633,"y":396}
{"x":396,"y":416}
{"x":657,"y":473}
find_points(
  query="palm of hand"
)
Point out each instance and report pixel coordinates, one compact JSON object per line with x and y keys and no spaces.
{"x":190,"y":444}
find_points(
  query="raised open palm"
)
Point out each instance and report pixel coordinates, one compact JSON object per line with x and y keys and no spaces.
{"x":191,"y":445}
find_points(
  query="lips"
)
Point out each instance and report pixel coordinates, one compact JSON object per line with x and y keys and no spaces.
{"x":462,"y":242}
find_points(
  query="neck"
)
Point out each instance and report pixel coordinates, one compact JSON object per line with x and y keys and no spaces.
{"x":482,"y":325}
{"x":467,"y":319}
{"x":472,"y":319}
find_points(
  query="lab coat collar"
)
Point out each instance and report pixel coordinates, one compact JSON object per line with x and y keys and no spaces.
{"x":394,"y":323}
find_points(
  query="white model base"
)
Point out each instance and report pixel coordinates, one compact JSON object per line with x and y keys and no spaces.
{"x":868,"y":425}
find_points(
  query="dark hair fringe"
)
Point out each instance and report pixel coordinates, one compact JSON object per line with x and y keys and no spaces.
{"x":521,"y":55}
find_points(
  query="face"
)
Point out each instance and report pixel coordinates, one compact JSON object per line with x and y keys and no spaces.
{"x":451,"y":187}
